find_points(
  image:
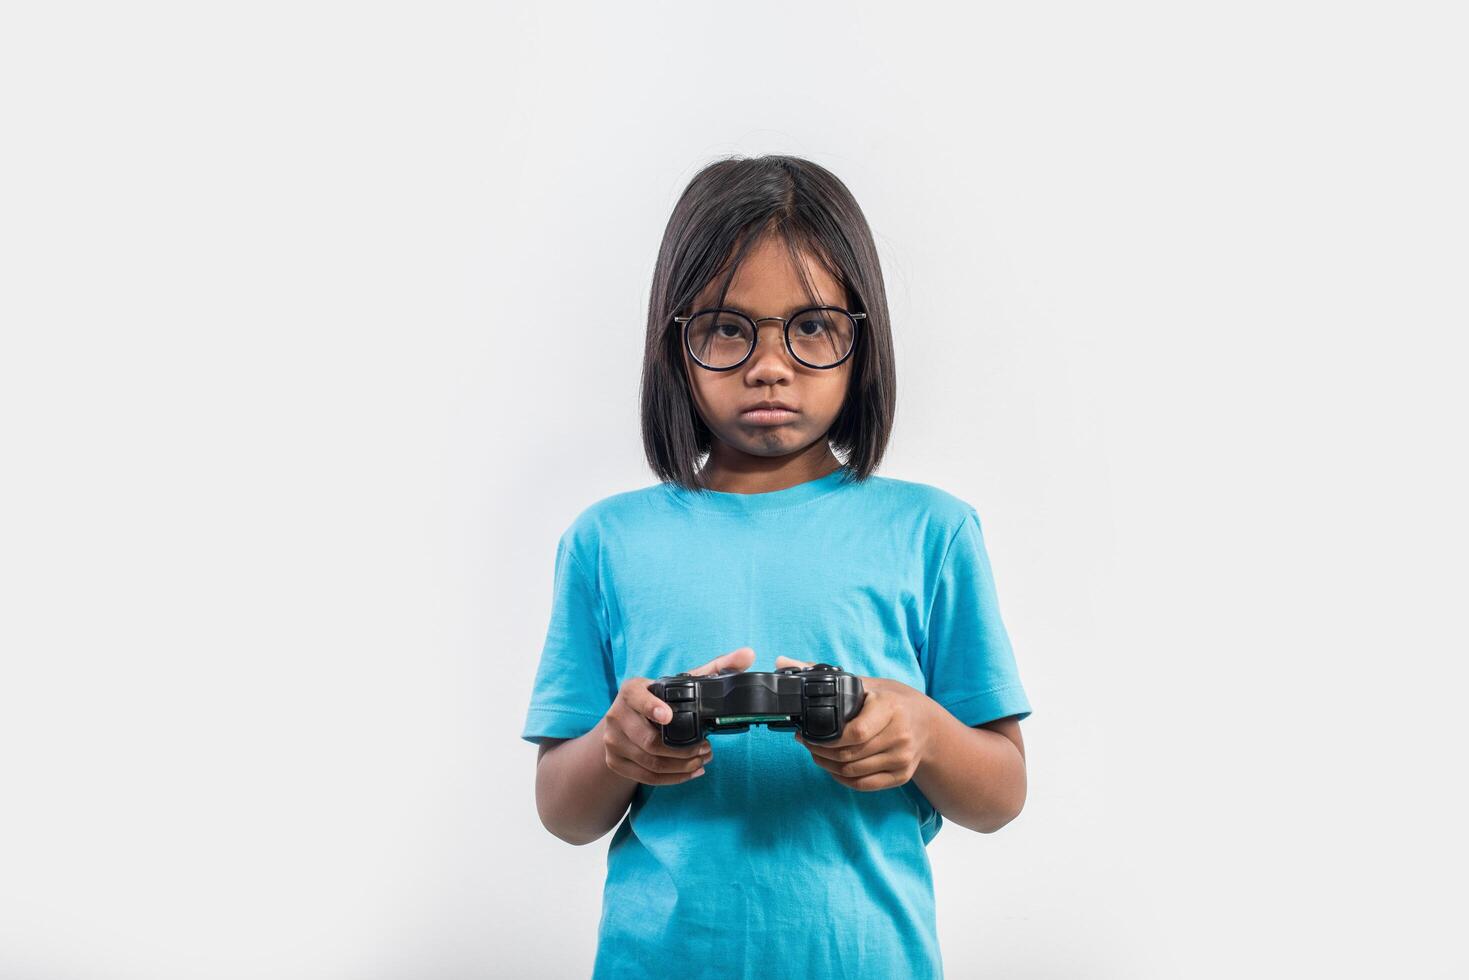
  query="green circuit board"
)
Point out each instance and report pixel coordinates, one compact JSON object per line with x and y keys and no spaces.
{"x":743,"y":719}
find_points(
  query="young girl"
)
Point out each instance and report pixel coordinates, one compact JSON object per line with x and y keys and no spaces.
{"x":764,"y":854}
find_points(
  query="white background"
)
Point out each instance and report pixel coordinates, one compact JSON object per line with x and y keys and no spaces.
{"x":320,"y":323}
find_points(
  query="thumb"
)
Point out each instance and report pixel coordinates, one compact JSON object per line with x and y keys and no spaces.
{"x":734,"y":660}
{"x":790,"y":662}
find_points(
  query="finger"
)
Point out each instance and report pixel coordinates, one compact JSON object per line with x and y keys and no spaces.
{"x":840,"y":753}
{"x":857,"y":768}
{"x":859,"y":732}
{"x":640,"y":698}
{"x":658,"y":764}
{"x":734,"y":660}
{"x":633,"y":729}
{"x":650,"y":740}
{"x":632,"y":770}
{"x":784,"y":661}
{"x":872,"y":781}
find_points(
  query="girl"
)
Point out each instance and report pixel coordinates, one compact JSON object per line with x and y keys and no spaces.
{"x":768,"y":351}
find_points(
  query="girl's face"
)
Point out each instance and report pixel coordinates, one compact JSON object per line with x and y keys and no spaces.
{"x":767,"y":285}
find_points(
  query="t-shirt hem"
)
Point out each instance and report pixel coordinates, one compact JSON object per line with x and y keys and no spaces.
{"x":991,"y":705}
{"x":543,"y":723}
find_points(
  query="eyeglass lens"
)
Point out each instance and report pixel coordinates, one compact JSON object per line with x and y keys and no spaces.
{"x":819,"y":337}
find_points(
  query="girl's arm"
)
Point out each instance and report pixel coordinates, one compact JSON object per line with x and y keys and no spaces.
{"x":585,"y":784}
{"x":577,"y":796}
{"x":973,"y":776}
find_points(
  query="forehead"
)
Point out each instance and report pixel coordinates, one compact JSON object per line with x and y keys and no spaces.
{"x":767,"y":279}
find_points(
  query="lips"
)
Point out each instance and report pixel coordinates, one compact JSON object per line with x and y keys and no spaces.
{"x":762,"y":415}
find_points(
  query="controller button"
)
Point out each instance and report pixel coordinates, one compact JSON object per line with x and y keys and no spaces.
{"x":820,"y":689}
{"x":683,"y":692}
{"x":821,"y":721}
{"x":683,"y":728}
{"x":816,"y":667}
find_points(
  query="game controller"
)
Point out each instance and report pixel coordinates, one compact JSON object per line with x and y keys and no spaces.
{"x":818,"y":700}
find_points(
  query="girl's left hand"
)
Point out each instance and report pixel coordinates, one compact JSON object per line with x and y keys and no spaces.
{"x":884,"y":744}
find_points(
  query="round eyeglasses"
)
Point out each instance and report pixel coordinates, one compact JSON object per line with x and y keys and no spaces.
{"x":818,"y":336}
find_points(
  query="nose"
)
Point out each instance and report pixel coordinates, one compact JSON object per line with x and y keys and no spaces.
{"x":770,"y":359}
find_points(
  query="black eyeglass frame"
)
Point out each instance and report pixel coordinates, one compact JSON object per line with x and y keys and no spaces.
{"x":754,"y":323}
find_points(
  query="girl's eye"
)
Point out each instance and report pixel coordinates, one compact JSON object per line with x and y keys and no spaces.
{"x":810,"y":328}
{"x":730,"y":330}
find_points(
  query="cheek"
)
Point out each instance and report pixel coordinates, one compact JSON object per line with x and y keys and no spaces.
{"x":717,"y":397}
{"x":710,"y":394}
{"x":831,"y":392}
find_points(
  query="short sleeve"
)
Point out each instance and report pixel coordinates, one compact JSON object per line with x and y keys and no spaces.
{"x":966,"y":657}
{"x":575,"y":683}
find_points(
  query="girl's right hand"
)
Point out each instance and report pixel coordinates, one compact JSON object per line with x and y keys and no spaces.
{"x":632,"y":738}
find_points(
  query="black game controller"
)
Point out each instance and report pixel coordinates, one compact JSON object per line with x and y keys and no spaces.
{"x":819,"y":700}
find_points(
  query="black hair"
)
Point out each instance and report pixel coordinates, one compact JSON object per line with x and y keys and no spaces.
{"x":728,"y":207}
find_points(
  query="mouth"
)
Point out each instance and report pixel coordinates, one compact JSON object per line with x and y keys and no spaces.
{"x":768,"y":416}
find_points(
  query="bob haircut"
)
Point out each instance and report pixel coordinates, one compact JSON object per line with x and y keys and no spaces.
{"x":728,"y":207}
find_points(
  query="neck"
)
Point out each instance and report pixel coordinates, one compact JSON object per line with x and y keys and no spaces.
{"x":755,"y":474}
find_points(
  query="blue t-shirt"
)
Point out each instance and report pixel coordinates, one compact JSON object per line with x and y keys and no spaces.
{"x":766,"y":865}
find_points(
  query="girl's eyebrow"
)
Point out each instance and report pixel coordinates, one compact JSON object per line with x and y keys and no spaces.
{"x":794,"y":309}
